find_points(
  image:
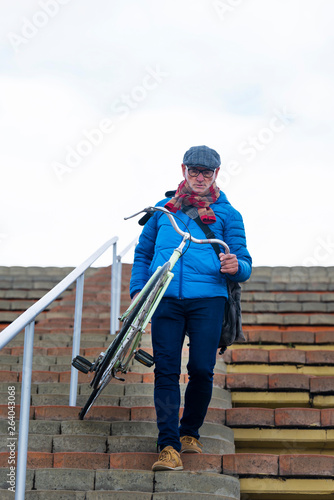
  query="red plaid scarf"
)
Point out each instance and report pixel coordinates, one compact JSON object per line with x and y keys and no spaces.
{"x":186,"y":196}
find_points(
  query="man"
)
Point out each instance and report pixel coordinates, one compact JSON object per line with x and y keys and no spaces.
{"x":194,"y":302}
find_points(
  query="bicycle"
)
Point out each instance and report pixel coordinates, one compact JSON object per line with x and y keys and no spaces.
{"x":125,"y":345}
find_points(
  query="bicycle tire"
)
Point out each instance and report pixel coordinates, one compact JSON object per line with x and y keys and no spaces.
{"x":118,"y":340}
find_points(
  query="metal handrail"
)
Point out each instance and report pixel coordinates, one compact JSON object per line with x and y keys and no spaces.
{"x":27,"y":320}
{"x":30,"y":314}
{"x":116,"y":285}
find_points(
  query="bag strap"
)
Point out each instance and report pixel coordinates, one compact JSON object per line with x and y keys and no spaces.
{"x":206,"y":230}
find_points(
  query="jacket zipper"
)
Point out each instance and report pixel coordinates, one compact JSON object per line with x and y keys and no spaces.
{"x":181,"y":269}
{"x":181,"y":279}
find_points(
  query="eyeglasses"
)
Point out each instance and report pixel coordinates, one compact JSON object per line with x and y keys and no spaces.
{"x":194,"y":172}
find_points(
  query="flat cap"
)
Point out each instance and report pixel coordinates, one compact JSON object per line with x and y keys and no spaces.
{"x":202,"y":156}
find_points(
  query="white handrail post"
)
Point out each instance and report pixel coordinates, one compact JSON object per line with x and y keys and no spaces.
{"x":76,"y":337}
{"x":119,"y":292}
{"x":113,"y":298}
{"x":24,"y":411}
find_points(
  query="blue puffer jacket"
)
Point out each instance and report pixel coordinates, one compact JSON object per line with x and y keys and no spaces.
{"x":196,"y":274}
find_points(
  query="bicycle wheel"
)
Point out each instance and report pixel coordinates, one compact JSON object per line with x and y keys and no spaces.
{"x":110,"y":357}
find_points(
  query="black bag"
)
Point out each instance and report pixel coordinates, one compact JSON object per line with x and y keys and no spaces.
{"x":232,"y":323}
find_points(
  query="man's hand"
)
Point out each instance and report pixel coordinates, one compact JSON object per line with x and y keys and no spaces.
{"x":228,"y":263}
{"x":133,"y":298}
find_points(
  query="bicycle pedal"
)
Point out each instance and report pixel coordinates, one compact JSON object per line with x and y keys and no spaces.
{"x":82,"y":364}
{"x":144,"y":358}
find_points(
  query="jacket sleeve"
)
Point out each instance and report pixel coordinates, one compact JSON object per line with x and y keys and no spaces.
{"x":235,"y":237}
{"x":144,"y":252}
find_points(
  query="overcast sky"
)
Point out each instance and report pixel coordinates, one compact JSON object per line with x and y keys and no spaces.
{"x":100,"y":100}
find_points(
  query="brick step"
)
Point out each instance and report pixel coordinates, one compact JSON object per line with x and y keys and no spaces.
{"x":320,"y":385}
{"x":288,"y":306}
{"x":271,"y":347}
{"x":220,"y":368}
{"x":291,"y":306}
{"x":279,"y":418}
{"x":106,"y":399}
{"x":280,"y":381}
{"x":10,"y":294}
{"x":285,"y":297}
{"x":286,"y":465}
{"x":282,"y":488}
{"x":250,"y":382}
{"x":117,"y":428}
{"x":15,"y":305}
{"x":204,"y":462}
{"x":42,"y":346}
{"x":288,"y":319}
{"x":263,"y":336}
{"x":115,"y":495}
{"x":149,"y":444}
{"x":242,"y":417}
{"x":63,"y":363}
{"x":113,"y":388}
{"x":86,"y":315}
{"x":324,"y":285}
{"x":59,"y":322}
{"x":281,"y":441}
{"x":281,"y":356}
{"x":103,"y":413}
{"x":280,"y":399}
{"x":137,"y":436}
{"x":49,"y":331}
{"x":105,"y":481}
{"x":44,"y":376}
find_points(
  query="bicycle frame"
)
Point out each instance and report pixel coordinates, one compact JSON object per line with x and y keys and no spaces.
{"x":125,"y":344}
{"x":156,"y":301}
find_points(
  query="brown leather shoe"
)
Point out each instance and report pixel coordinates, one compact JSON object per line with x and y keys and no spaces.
{"x":169,"y":459}
{"x":190,"y":445}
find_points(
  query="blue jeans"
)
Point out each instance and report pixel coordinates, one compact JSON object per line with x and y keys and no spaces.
{"x":202,"y":320}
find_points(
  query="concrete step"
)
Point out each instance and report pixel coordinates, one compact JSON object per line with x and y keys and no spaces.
{"x":130,"y":401}
{"x":281,"y":441}
{"x":119,"y":428}
{"x":144,"y":481}
{"x":147,"y":390}
{"x":63,"y":399}
{"x":293,"y":336}
{"x":83,"y":484}
{"x":280,"y":399}
{"x":148,"y":444}
{"x":114,"y":495}
{"x":145,"y":428}
{"x":139,"y":368}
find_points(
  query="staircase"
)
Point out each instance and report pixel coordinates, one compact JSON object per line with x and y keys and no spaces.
{"x":269,"y":431}
{"x":111,"y":452}
{"x":282,"y":386}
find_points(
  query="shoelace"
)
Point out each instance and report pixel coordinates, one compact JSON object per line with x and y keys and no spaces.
{"x":190,"y":440}
{"x":165,"y":456}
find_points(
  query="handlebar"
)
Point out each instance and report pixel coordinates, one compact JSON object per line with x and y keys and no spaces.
{"x":186,"y":236}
